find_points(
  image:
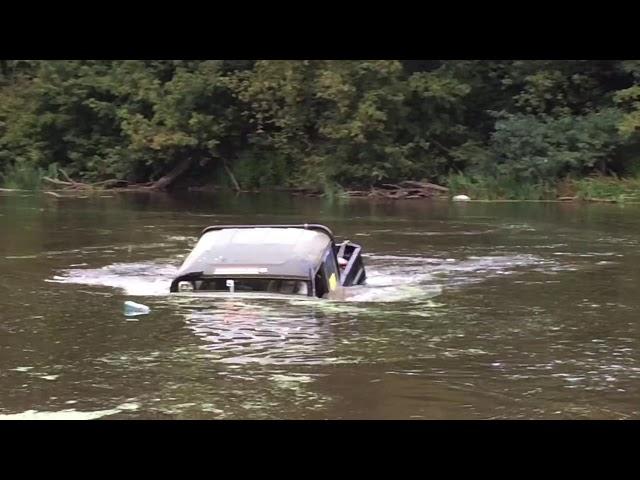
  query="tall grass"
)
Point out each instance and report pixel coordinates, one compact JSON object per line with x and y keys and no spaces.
{"x":26,"y":176}
{"x":610,"y":188}
{"x":499,"y":188}
{"x":607,"y":188}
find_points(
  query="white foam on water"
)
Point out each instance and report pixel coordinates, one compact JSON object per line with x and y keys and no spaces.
{"x":395,"y":293}
{"x":68,"y":414}
{"x":60,"y":415}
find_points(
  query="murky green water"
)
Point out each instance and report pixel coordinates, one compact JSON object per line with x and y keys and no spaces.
{"x":472,"y":311}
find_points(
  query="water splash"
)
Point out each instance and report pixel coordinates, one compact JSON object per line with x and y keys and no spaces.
{"x":138,"y":279}
{"x":390,"y":278}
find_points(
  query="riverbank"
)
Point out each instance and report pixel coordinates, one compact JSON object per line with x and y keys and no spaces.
{"x":592,"y":189}
{"x":478,"y":188}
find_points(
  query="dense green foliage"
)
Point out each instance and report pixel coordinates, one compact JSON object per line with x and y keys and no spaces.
{"x":513,"y":127}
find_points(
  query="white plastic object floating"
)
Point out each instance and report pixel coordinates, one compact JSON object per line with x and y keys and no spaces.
{"x":461,"y":198}
{"x":133,"y":308}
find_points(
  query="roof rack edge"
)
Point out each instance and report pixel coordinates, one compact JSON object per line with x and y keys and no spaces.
{"x":306,"y":226}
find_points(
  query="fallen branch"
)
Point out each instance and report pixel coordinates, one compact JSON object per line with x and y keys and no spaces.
{"x":113,"y":182}
{"x":111,"y":185}
{"x":424,"y":185}
{"x":120,"y":185}
{"x":69,"y":179}
{"x":407,"y":189}
{"x":55,"y":181}
{"x":356,"y":192}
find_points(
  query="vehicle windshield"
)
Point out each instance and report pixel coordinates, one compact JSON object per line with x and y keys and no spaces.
{"x":296,"y":287}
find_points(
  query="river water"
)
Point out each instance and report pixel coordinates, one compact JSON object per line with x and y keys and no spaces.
{"x":472,"y":311}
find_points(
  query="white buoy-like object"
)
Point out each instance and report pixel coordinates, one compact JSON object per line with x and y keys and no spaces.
{"x":461,"y":198}
{"x":133,"y":308}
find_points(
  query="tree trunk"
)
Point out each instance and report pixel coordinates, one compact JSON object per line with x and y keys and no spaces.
{"x":173,"y":175}
{"x":603,"y":166}
{"x":230,"y":173}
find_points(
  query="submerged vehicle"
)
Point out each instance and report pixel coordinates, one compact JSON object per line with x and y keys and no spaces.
{"x":290,"y":259}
